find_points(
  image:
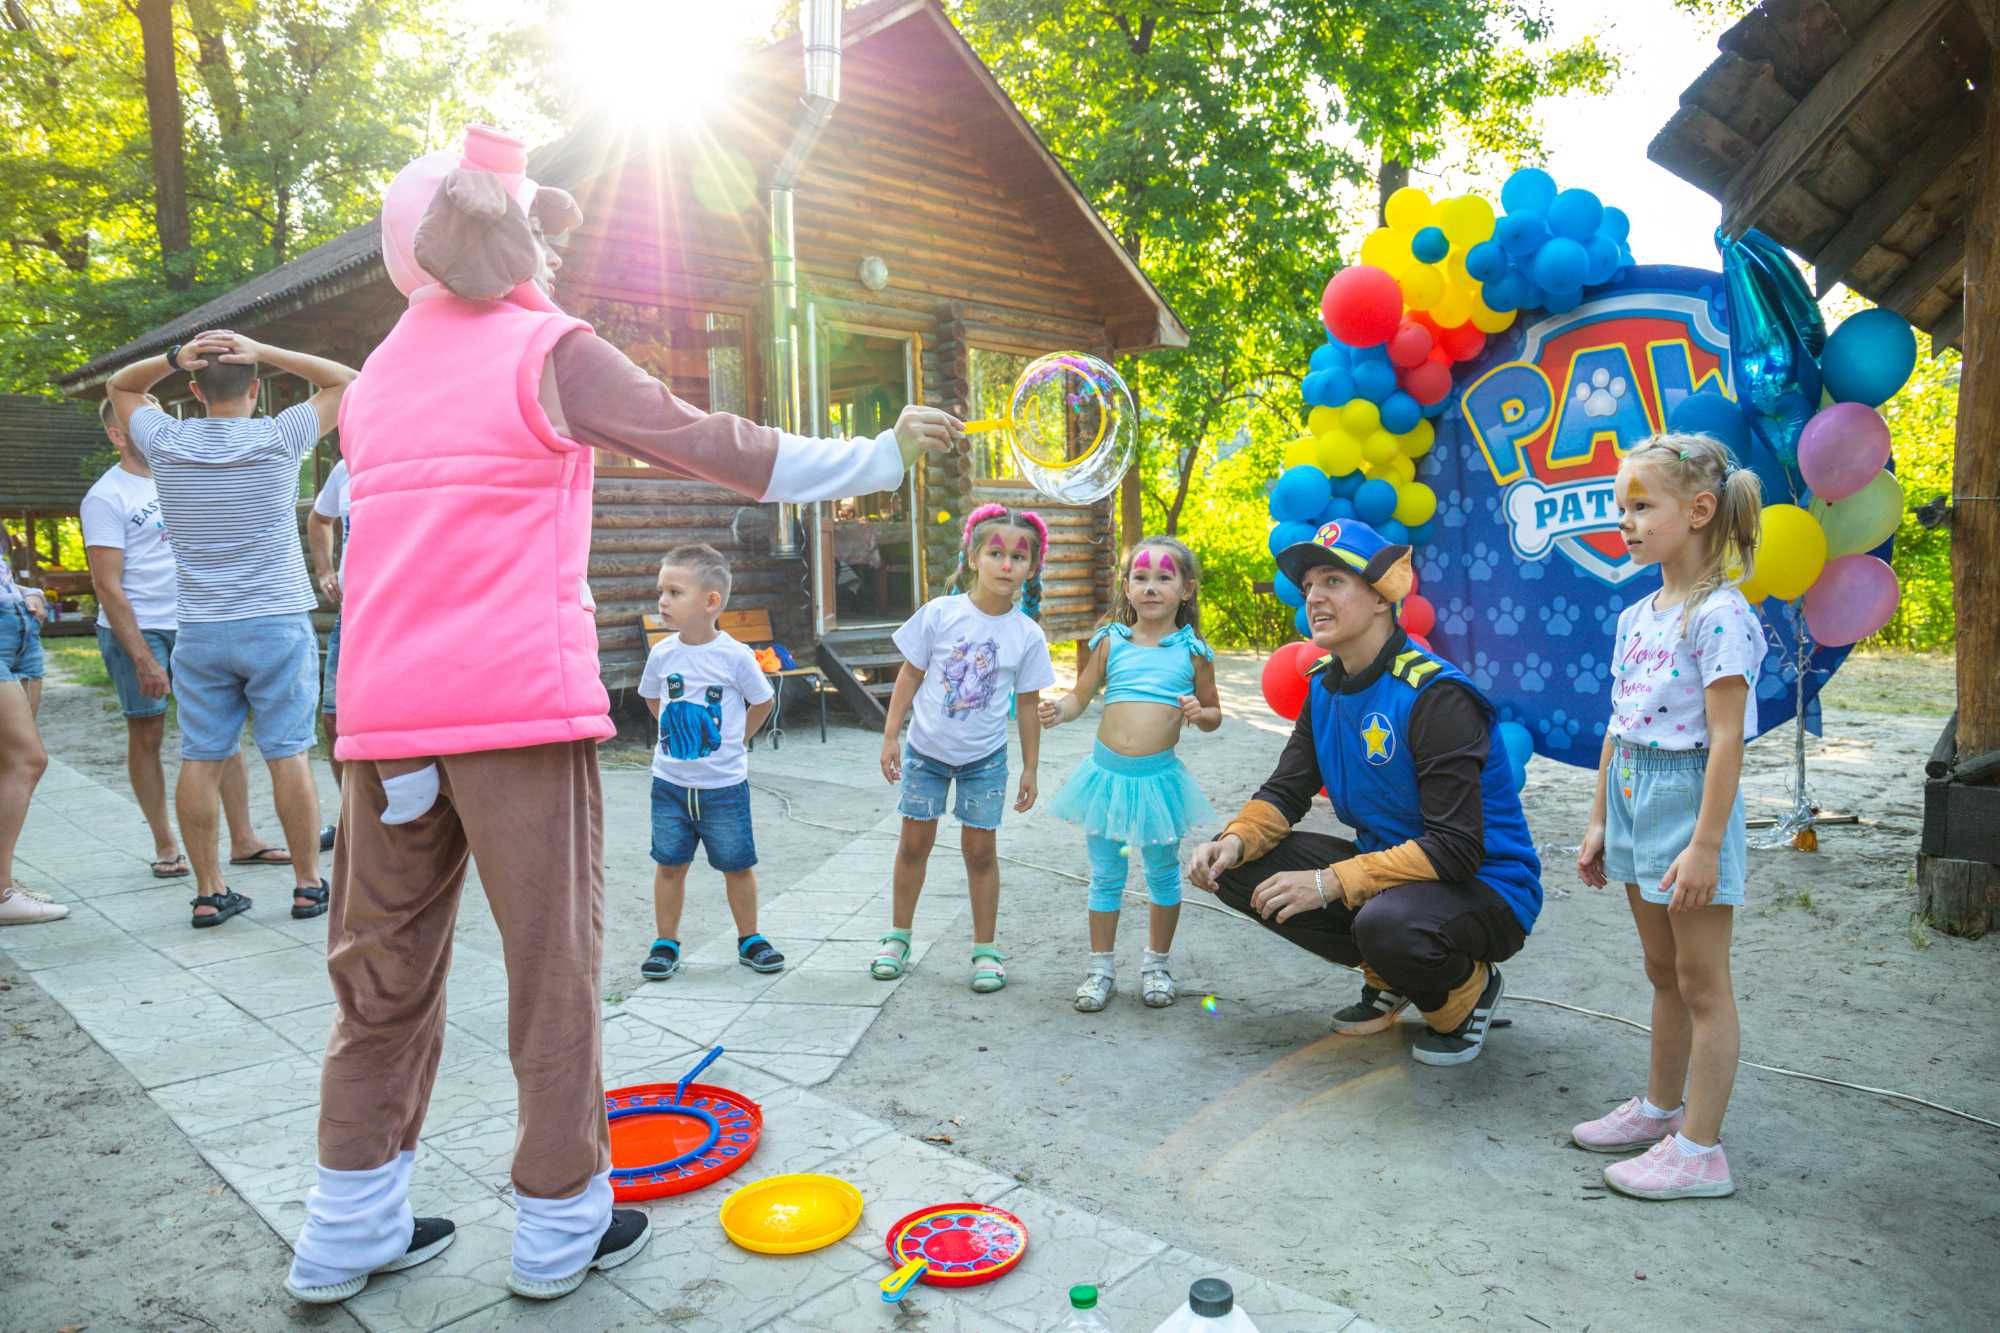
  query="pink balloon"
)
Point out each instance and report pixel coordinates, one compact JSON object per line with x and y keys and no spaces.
{"x":1841,"y":449}
{"x":1853,"y":597}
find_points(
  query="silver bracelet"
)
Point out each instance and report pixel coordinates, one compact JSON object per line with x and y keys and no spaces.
{"x":1319,"y":886}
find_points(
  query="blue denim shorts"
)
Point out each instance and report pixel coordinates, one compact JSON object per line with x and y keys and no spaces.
{"x":125,"y":672}
{"x":718,"y":819}
{"x":1652,"y":800}
{"x":20,"y":643}
{"x":331,"y":669}
{"x":982,"y":788}
{"x":265,"y":668}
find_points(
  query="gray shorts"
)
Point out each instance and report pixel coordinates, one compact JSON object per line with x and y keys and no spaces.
{"x":1652,"y":800}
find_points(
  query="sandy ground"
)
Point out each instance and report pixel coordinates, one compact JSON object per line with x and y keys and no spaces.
{"x":1420,"y":1197}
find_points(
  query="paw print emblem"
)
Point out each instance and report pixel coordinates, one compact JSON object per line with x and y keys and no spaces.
{"x":1481,"y":670}
{"x":1479,"y":563}
{"x":1558,"y":616}
{"x":1600,"y":397}
{"x":1456,"y":617}
{"x":1506,"y":617}
{"x":1586,"y":676}
{"x":1560,"y":727}
{"x":1533,"y":672}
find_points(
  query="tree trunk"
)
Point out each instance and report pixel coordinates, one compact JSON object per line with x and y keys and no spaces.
{"x":212,"y":64}
{"x":163,"y":119}
{"x":281,"y":220}
{"x":1395,"y":175}
{"x":1961,"y":896}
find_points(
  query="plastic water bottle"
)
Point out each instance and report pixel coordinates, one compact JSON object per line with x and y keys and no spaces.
{"x":1084,"y":1316}
{"x":1210,"y":1308}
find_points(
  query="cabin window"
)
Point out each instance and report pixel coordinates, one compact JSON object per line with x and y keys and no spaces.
{"x":991,"y":390}
{"x":702,"y":355}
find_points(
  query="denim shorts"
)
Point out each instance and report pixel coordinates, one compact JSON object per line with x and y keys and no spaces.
{"x":718,"y":819}
{"x":20,"y":643}
{"x":125,"y":672}
{"x":265,"y":667}
{"x":982,"y":788}
{"x":1652,"y":799}
{"x":331,"y":669}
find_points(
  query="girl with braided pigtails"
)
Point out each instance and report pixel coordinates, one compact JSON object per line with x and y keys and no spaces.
{"x":967,"y":655}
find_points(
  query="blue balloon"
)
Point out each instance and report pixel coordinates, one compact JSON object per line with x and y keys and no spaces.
{"x":1521,"y":234}
{"x":1374,"y":502}
{"x":1290,"y":534}
{"x":1439,"y":408}
{"x":1389,"y":530}
{"x":1288,"y":592}
{"x":1775,"y":338}
{"x":1709,"y":413}
{"x":1372,"y":353}
{"x":1603,"y":255}
{"x":1400,"y":412}
{"x":1303,"y":623}
{"x":1576,"y":214}
{"x":1328,"y":355}
{"x":1510,"y":292}
{"x":1561,"y":265}
{"x":1313,"y":389}
{"x":1338,"y":385}
{"x":1616,"y":224}
{"x":1560,"y":302}
{"x":1519,"y":772}
{"x":1430,"y":245}
{"x":1529,"y":190}
{"x":1423,"y":532}
{"x":1520,"y":742}
{"x":1869,"y":357}
{"x":1339,"y":509}
{"x":1486,"y":261}
{"x":1346,"y":484}
{"x":1374,"y":380}
{"x":1300,"y":493}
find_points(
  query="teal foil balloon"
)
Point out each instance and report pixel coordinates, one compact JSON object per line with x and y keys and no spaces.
{"x":1775,"y":337}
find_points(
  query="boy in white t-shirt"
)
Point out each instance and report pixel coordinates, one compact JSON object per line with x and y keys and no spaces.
{"x":710,"y":696}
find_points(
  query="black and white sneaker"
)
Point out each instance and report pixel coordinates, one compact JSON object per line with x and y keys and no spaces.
{"x":1375,"y":1011}
{"x":1455,"y":1048}
{"x":430,"y":1237}
{"x":623,"y":1239}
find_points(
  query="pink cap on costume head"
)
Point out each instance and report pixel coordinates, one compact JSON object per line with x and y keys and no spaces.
{"x":410,"y":194}
{"x":490,"y":150}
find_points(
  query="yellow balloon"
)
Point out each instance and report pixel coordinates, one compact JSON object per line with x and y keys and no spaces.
{"x":1488,"y":320}
{"x":1401,"y":470}
{"x":1323,"y":420}
{"x":1753,"y":591}
{"x":1415,"y":503}
{"x":1865,"y":519}
{"x":1453,"y":308}
{"x":1408,"y":210}
{"x":1379,"y":447}
{"x":1467,"y":220}
{"x":1304,"y":450}
{"x":1791,"y":552}
{"x":1422,"y":284}
{"x":1418,"y":439}
{"x":1385,"y":249}
{"x":1339,"y":454}
{"x":1358,"y":417}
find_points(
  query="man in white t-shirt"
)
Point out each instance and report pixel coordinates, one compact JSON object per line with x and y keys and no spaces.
{"x":132,"y":568}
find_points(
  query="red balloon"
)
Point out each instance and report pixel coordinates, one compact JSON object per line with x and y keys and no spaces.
{"x":1284,"y":680}
{"x":1464,"y":342}
{"x":1428,"y":383}
{"x":1422,"y":642}
{"x":1423,"y":317}
{"x":1362,"y":305}
{"x":1419,"y":617}
{"x":1410,"y":346}
{"x":1441,"y":356}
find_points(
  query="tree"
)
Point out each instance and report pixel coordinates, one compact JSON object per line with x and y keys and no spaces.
{"x":163,"y":118}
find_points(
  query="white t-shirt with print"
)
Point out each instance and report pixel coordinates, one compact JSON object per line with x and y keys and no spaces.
{"x":1658,"y":673}
{"x":704,"y":690}
{"x":334,"y":500}
{"x":122,"y":510}
{"x":973,"y":664}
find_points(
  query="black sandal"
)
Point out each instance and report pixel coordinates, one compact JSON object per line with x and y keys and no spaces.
{"x":317,"y":897}
{"x":226,"y":904}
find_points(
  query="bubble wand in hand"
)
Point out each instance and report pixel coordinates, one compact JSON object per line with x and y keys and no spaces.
{"x":1072,"y":427}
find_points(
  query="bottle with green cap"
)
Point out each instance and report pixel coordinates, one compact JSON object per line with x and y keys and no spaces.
{"x":1084,"y":1316}
{"x":1210,"y":1308}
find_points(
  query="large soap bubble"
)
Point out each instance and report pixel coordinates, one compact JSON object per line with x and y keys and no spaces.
{"x":1074,"y":429}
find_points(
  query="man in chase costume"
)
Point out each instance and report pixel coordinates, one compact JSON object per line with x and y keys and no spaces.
{"x":470,"y":641}
{"x":1441,"y":882}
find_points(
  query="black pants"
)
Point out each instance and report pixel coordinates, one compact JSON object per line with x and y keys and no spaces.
{"x":1421,"y":937}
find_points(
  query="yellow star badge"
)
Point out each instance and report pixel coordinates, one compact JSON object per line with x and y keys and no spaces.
{"x":1381,"y":740}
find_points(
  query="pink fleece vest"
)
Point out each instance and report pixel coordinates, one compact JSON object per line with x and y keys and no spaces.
{"x":466,"y":620}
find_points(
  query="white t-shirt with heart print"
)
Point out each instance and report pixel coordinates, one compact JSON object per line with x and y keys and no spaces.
{"x":1658,"y":673}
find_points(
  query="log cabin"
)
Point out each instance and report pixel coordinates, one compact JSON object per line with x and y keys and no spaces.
{"x":817,"y":253}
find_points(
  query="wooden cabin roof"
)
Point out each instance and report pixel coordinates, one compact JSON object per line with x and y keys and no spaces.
{"x":45,"y":453}
{"x":906,"y":65}
{"x":1848,"y":130}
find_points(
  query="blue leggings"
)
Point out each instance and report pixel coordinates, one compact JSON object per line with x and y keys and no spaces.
{"x":1109,"y":864}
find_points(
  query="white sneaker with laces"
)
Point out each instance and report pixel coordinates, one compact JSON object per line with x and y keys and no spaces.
{"x":23,"y":906}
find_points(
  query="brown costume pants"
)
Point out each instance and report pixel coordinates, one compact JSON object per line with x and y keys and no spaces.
{"x":533,"y":821}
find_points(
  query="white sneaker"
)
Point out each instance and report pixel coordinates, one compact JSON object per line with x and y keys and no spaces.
{"x":22,"y":906}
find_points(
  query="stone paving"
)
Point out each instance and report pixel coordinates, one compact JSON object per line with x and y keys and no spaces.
{"x":225,"y":1029}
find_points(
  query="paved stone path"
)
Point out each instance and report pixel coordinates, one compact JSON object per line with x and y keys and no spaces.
{"x":225,"y":1029}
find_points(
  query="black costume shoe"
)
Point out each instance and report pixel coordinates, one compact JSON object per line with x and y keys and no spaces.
{"x":1376,"y":1011}
{"x":623,"y":1239}
{"x":430,"y":1237}
{"x":1465,"y":1043}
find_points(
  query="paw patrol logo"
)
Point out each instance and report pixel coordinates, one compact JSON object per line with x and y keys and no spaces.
{"x":1328,"y":534}
{"x":1587,"y":387}
{"x":1379,"y":737}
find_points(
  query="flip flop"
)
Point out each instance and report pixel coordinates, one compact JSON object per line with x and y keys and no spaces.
{"x":170,"y":873}
{"x":264,"y":856}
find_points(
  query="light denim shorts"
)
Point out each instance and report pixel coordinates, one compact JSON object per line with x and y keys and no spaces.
{"x":265,"y":667}
{"x":331,"y":670}
{"x":982,"y":788}
{"x":20,"y":643}
{"x":132,"y":701}
{"x":1652,"y":800}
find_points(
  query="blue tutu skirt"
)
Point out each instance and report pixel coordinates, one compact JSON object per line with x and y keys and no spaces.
{"x":1144,"y":800}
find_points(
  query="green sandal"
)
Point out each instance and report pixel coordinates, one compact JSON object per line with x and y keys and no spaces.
{"x":987,"y":973}
{"x":890,"y":964}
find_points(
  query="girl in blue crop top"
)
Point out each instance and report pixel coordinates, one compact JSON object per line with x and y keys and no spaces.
{"x":1133,"y":791}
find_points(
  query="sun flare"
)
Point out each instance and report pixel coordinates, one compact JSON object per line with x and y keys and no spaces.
{"x":658,"y":62}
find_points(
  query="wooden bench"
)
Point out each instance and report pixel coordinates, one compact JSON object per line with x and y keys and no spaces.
{"x":753,"y":630}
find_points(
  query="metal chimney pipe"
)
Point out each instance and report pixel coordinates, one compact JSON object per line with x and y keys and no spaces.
{"x":820,"y":27}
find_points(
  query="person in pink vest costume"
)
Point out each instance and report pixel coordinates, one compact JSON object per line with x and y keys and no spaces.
{"x":468,"y":439}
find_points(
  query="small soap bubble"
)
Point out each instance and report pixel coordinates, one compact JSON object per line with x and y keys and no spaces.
{"x":1209,"y":1004}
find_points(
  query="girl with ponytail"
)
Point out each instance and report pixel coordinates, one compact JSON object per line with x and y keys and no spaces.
{"x":1667,"y":821}
{"x":967,"y":655}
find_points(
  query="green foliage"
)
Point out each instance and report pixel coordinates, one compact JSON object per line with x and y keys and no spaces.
{"x":1231,"y":147}
{"x":1923,"y":424}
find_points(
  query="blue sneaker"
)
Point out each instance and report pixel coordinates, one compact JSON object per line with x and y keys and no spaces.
{"x":663,"y":961}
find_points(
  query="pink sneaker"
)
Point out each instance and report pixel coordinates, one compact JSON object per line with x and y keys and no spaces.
{"x":1626,"y":1128}
{"x":1665,"y":1172}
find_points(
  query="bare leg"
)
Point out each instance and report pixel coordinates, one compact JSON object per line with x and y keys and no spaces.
{"x":149,"y":781}
{"x":244,"y":840}
{"x":23,"y":760}
{"x":1673,"y":1028}
{"x":197,"y":792}
{"x":913,"y":857}
{"x":1161,"y":922}
{"x":669,"y":892}
{"x":1103,"y":932}
{"x":298,"y":811}
{"x":741,"y":887}
{"x":1701,"y":940}
{"x":982,"y":879}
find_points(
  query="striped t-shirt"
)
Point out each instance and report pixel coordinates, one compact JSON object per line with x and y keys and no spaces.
{"x":229,"y":492}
